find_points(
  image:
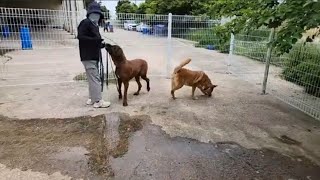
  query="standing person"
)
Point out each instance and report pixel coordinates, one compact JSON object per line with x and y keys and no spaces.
{"x":108,"y":23}
{"x":106,"y":26}
{"x":90,"y":44}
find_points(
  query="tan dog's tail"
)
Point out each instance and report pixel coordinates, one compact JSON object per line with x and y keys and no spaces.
{"x":183,"y":63}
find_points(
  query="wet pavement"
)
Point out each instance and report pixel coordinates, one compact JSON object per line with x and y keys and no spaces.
{"x":119,"y":146}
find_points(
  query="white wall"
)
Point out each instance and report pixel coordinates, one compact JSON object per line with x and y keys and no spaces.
{"x":33,"y":4}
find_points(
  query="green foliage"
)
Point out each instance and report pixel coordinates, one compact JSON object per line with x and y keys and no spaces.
{"x":105,"y":12}
{"x":125,"y":6}
{"x":302,"y":66}
{"x":253,"y":49}
{"x":177,"y":7}
{"x":253,"y":44}
{"x":291,"y":18}
{"x":142,"y":8}
{"x":217,"y":36}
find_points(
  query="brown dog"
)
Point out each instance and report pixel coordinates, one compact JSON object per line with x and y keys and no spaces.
{"x":195,"y":79}
{"x":126,"y":70}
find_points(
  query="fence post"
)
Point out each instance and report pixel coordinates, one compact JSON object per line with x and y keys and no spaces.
{"x":230,"y":51}
{"x":169,"y":46}
{"x":268,"y":59}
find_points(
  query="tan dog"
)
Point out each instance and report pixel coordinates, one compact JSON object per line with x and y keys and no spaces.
{"x":195,"y":79}
{"x":126,"y":70}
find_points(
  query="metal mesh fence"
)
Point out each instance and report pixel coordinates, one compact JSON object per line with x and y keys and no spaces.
{"x":37,"y":28}
{"x":294,"y":77}
{"x":48,"y":33}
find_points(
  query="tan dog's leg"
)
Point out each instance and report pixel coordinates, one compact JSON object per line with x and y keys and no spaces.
{"x":193,"y":89}
{"x":126,"y":86}
{"x":175,"y":86}
{"x":139,"y":85}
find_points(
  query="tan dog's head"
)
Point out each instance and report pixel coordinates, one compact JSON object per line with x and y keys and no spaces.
{"x":116,"y":53}
{"x":208,"y":90}
{"x":205,"y":85}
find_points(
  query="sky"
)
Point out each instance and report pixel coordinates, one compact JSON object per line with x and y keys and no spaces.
{"x":111,"y":4}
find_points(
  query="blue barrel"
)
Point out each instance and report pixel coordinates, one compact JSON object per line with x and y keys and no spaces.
{"x":5,"y":31}
{"x":144,"y":30}
{"x":111,"y":28}
{"x":160,"y":30}
{"x":211,"y":47}
{"x":25,"y":37}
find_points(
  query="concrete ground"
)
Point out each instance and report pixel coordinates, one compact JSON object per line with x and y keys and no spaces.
{"x":184,"y":138}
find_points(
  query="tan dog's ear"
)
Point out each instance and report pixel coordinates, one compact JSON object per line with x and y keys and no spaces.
{"x":199,"y":78}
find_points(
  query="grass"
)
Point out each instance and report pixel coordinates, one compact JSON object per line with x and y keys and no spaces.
{"x":210,"y":36}
{"x":83,"y":77}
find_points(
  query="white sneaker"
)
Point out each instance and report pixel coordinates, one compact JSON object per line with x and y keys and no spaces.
{"x":101,"y":104}
{"x":89,"y":102}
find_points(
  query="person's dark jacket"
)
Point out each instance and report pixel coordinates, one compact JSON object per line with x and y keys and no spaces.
{"x":90,"y":41}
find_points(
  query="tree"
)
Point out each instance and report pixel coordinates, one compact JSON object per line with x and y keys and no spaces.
{"x":177,"y":7}
{"x":291,"y":18}
{"x":125,"y":6}
{"x":142,"y":8}
{"x":105,"y":12}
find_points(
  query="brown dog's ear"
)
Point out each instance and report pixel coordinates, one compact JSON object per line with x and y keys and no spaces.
{"x":199,"y":78}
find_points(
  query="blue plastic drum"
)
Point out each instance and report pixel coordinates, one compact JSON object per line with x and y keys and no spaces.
{"x":5,"y":31}
{"x":25,"y":37}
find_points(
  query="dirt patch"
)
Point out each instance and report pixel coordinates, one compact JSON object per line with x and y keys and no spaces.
{"x":77,"y":147}
{"x":83,"y":77}
{"x":287,"y":140}
{"x":74,"y":146}
{"x":4,"y":51}
{"x":80,"y":77}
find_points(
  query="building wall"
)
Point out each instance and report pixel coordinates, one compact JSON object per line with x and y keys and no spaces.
{"x":72,"y":10}
{"x":75,"y":12}
{"x":33,"y":4}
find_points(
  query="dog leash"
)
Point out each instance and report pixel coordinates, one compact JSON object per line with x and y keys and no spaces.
{"x":112,"y":69}
{"x":101,"y":69}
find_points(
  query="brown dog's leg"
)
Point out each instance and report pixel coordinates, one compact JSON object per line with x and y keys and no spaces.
{"x":119,"y":90}
{"x":193,"y":89}
{"x":126,"y":86}
{"x":148,"y":82}
{"x":139,"y":85}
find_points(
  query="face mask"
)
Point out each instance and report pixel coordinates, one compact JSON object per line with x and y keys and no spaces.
{"x":94,"y":17}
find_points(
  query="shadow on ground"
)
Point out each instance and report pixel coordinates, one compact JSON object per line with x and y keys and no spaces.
{"x":119,"y":146}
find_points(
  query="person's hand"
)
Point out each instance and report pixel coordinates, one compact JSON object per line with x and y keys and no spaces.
{"x":103,"y":44}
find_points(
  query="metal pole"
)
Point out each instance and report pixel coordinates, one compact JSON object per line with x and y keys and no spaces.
{"x":169,"y":46}
{"x":230,"y":51}
{"x":268,"y":59}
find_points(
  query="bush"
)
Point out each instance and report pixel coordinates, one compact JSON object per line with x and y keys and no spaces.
{"x":302,"y":66}
{"x":254,"y":35}
{"x":251,"y":49}
{"x":217,"y":36}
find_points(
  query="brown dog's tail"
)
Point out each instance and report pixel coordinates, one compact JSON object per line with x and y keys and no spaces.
{"x":183,"y":63}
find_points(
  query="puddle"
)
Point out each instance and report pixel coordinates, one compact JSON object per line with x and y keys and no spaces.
{"x":127,"y":127}
{"x":152,"y":154}
{"x":120,"y":146}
